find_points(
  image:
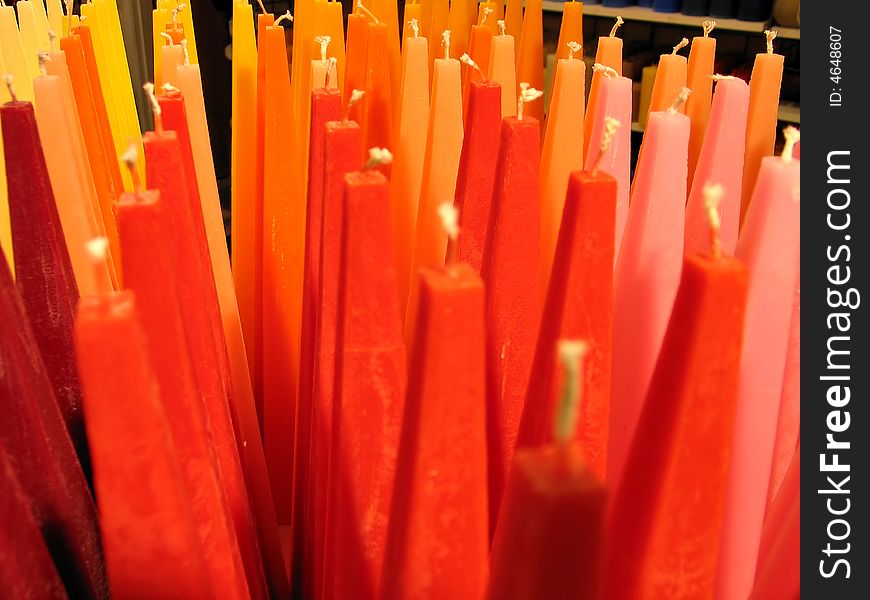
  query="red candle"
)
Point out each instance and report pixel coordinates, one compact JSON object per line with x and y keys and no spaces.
{"x":511,"y":271}
{"x":475,"y":180}
{"x":34,"y":437}
{"x":357,"y":64}
{"x":548,"y":540}
{"x":579,"y":305}
{"x":145,"y":513}
{"x":667,"y":544}
{"x":369,"y":393}
{"x":43,"y":269}
{"x":440,"y":495}
{"x":340,"y":156}
{"x":26,"y":570}
{"x":377,"y":115}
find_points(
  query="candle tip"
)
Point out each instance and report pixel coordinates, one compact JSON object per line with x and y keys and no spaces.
{"x":713,"y":193}
{"x":366,"y":11}
{"x":573,"y":48}
{"x":770,"y":35}
{"x":572,"y":356}
{"x":683,"y":43}
{"x":97,"y":249}
{"x":708,"y":26}
{"x":611,"y":126}
{"x":169,"y":89}
{"x":502,"y":28}
{"x":8,"y":79}
{"x":527,"y":94}
{"x":287,"y":16}
{"x":616,"y":26}
{"x":608,"y":72}
{"x":445,"y":42}
{"x":168,"y":38}
{"x":486,"y":12}
{"x":130,"y":158}
{"x":378,"y":156}
{"x":449,"y":219}
{"x":414,"y":24}
{"x":679,"y":101}
{"x":52,"y":38}
{"x":792,"y":136}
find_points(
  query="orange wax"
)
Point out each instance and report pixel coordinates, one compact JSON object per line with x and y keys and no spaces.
{"x":492,"y":19}
{"x":413,"y":10}
{"x":479,"y":48}
{"x":173,"y":57}
{"x":459,"y":20}
{"x":571,"y":29}
{"x":530,"y":58}
{"x":388,"y":12}
{"x":513,"y":20}
{"x":609,"y":54}
{"x":437,"y":24}
{"x":699,"y":80}
{"x":502,"y":71}
{"x":670,"y":79}
{"x":357,"y":65}
{"x":377,"y":117}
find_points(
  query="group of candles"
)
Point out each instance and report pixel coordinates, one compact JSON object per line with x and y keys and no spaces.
{"x":458,"y":352}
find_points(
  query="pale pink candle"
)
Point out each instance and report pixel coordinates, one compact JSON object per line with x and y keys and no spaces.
{"x":769,"y":245}
{"x":647,"y":274}
{"x":614,"y":100}
{"x":502,"y":70}
{"x":720,"y":161}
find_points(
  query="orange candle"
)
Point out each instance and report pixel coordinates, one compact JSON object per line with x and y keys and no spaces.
{"x":530,"y":58}
{"x":571,"y":29}
{"x":462,"y":14}
{"x":388,"y":10}
{"x":699,"y":80}
{"x":761,"y":123}
{"x":502,"y":70}
{"x":357,"y":65}
{"x":377,"y":117}
{"x":412,"y":12}
{"x":438,"y":21}
{"x":609,"y":54}
{"x":513,"y":19}
{"x":670,"y":79}
{"x":487,"y":14}
{"x":479,"y":48}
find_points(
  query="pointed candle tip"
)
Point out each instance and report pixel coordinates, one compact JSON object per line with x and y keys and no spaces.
{"x":445,"y":42}
{"x":366,"y":12}
{"x":572,"y":355}
{"x":323,"y":41}
{"x":502,"y":28}
{"x":486,"y":12}
{"x":414,"y":24}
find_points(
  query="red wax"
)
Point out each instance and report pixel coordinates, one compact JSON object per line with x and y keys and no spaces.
{"x":26,"y":570}
{"x":548,"y":540}
{"x":475,"y":180}
{"x":377,"y":116}
{"x":438,"y":544}
{"x":369,"y":402}
{"x":43,"y":270}
{"x":340,"y":156}
{"x":578,"y":305}
{"x":511,"y":275}
{"x":667,"y":513}
{"x":34,"y":437}
{"x":148,"y":262}
{"x":148,"y":532}
{"x":356,"y":65}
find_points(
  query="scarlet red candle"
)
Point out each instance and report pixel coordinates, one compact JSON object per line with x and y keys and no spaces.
{"x":369,"y":394}
{"x":440,"y":498}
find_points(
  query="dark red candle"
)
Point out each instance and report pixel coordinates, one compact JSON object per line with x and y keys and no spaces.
{"x":475,"y":180}
{"x":511,"y":275}
{"x":578,"y":305}
{"x":43,"y":270}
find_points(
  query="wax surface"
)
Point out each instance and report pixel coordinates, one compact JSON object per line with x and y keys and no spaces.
{"x":502,"y":71}
{"x":609,"y":54}
{"x":700,"y":68}
{"x":530,"y":56}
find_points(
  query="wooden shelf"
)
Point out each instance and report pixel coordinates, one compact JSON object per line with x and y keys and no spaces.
{"x":788,"y":33}
{"x":790,"y":113}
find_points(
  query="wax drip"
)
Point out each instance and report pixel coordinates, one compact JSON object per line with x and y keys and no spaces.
{"x":683,"y":43}
{"x":43,"y":58}
{"x":608,"y":72}
{"x":573,"y":48}
{"x":713,"y":193}
{"x":287,"y":16}
{"x":572,"y":355}
{"x":616,"y":26}
{"x":486,"y":12}
{"x":367,"y":12}
{"x":8,"y":80}
{"x":378,"y":156}
{"x":130,"y":157}
{"x":467,"y":60}
{"x":155,"y":107}
{"x":502,"y":28}
{"x":97,"y":248}
{"x":679,"y":101}
{"x":184,"y":51}
{"x":168,"y":38}
{"x":450,"y":223}
{"x":415,"y":27}
{"x":708,"y":26}
{"x":177,"y":10}
{"x":770,"y":35}
{"x":611,"y":126}
{"x":445,"y":42}
{"x":355,"y":96}
{"x":792,"y":136}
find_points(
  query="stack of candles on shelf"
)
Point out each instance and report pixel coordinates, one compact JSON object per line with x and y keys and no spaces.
{"x":458,"y":351}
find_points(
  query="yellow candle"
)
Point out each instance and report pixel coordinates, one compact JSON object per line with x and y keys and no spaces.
{"x":501,"y":70}
{"x":42,"y":24}
{"x":29,"y":36}
{"x":530,"y":59}
{"x":12,"y":49}
{"x":55,"y":17}
{"x":159,"y":19}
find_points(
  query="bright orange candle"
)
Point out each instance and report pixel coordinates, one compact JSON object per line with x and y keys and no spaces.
{"x":670,"y":79}
{"x":357,"y":66}
{"x":438,"y":21}
{"x":377,"y":117}
{"x":480,"y":46}
{"x":513,"y":19}
{"x":571,"y":29}
{"x":609,"y":54}
{"x":699,"y":80}
{"x":530,"y":59}
{"x":462,"y":15}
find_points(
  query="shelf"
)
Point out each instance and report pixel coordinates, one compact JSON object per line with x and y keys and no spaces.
{"x":790,"y":113}
{"x":641,"y":13}
{"x":788,"y":33}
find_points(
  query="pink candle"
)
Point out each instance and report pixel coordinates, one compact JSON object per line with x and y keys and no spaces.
{"x":769,"y":245}
{"x":720,"y":161}
{"x":647,"y":274}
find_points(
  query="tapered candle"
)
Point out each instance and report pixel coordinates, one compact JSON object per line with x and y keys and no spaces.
{"x":608,"y":54}
{"x":367,"y":410}
{"x":578,"y":305}
{"x":513,"y":20}
{"x":460,"y":18}
{"x":388,"y":12}
{"x":17,"y":63}
{"x":502,"y":69}
{"x":440,"y":498}
{"x":511,"y":273}
{"x":330,"y":13}
{"x":377,"y":116}
{"x":407,"y":171}
{"x":769,"y":244}
{"x":438,"y":22}
{"x":720,"y":160}
{"x":413,"y":12}
{"x":571,"y":29}
{"x":159,"y":20}
{"x":475,"y":180}
{"x":700,"y":69}
{"x":5,"y":225}
{"x":440,"y":167}
{"x":43,"y":270}
{"x":679,"y":457}
{"x":30,"y":37}
{"x":26,"y":569}
{"x":530,"y":57}
{"x":39,"y":449}
{"x":54,"y":10}
{"x":479,"y":48}
{"x":490,"y":19}
{"x":173,"y":57}
{"x":562,"y":152}
{"x":357,"y":64}
{"x":132,"y":443}
{"x":647,"y":274}
{"x":670,"y":79}
{"x":549,"y":537}
{"x":764,"y":87}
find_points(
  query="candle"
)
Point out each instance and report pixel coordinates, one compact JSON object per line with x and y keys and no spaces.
{"x":36,"y":439}
{"x":333,"y":26}
{"x":530,"y":58}
{"x":440,"y":167}
{"x":548,"y":540}
{"x":440,"y":494}
{"x":367,"y":410}
{"x":43,"y":270}
{"x":5,"y":224}
{"x":578,"y":305}
{"x":377,"y":116}
{"x":475,"y":180}
{"x":679,"y":457}
{"x":26,"y":570}
{"x":173,"y":57}
{"x":720,"y":160}
{"x":647,"y":274}
{"x":502,"y":71}
{"x":413,"y":10}
{"x":438,"y":23}
{"x":389,"y":12}
{"x":460,"y":18}
{"x":769,"y":244}
{"x":33,"y":43}
{"x":159,"y":21}
{"x":16,"y":61}
{"x":136,"y":466}
{"x":513,"y":19}
{"x":488,"y":14}
{"x":699,"y":80}
{"x":608,"y":54}
{"x":479,"y":48}
{"x":55,"y":16}
{"x":340,"y":156}
{"x":511,"y":272}
{"x":562,"y":152}
{"x":407,"y":171}
{"x":670,"y":79}
{"x":357,"y":63}
{"x":614,"y":102}
{"x":764,"y":87}
{"x":571,"y":29}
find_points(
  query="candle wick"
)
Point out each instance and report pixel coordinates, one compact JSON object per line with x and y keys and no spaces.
{"x":355,"y":97}
{"x":262,"y":8}
{"x":792,"y":136}
{"x":97,"y":249}
{"x":287,"y":16}
{"x":450,"y":223}
{"x":717,"y":77}
{"x":367,"y":12}
{"x":170,"y":90}
{"x":43,"y":58}
{"x":155,"y":107}
{"x":8,"y":80}
{"x":572,"y":355}
{"x":415,"y":27}
{"x":168,"y":38}
{"x":330,"y":65}
{"x":467,"y":60}
{"x":616,"y":26}
{"x":683,"y":43}
{"x":502,"y":28}
{"x":378,"y":156}
{"x":679,"y":101}
{"x":323,"y":40}
{"x":708,"y":26}
{"x":486,"y":12}
{"x":527,"y":94}
{"x":712,"y":198}
{"x":177,"y":10}
{"x":770,"y":35}
{"x":573,"y":48}
{"x":52,"y":39}
{"x":184,"y":51}
{"x":608,"y":72}
{"x":611,"y":126}
{"x":130,"y":157}
{"x":445,"y":42}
